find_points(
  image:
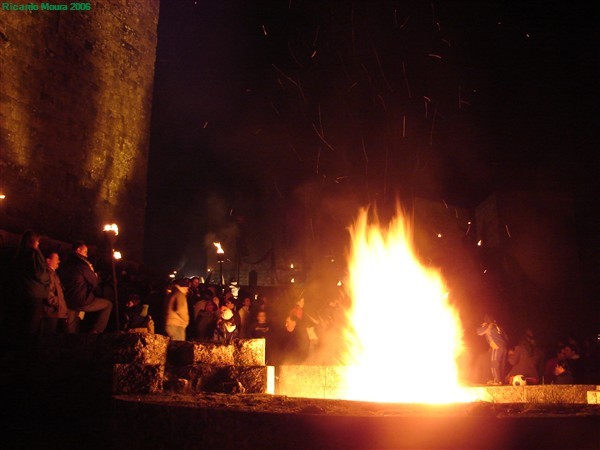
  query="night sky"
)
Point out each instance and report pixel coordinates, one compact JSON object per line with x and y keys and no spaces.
{"x":258,"y":103}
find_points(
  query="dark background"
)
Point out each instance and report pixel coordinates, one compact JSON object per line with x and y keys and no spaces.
{"x":268,"y":110}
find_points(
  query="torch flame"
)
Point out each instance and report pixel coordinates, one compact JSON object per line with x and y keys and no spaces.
{"x":405,"y":335}
{"x":220,"y":250}
{"x":112,"y":227}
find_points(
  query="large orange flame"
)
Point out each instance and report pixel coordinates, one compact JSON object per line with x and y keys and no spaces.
{"x":405,"y":335}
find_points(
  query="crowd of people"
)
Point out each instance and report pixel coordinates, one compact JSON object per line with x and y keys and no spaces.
{"x":524,"y":362}
{"x":44,"y":295}
{"x":48,"y":296}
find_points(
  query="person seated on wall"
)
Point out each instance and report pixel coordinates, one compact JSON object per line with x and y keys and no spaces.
{"x":137,"y":319}
{"x":575,"y":362}
{"x":80,"y":282}
{"x":524,"y":361}
{"x":563,"y":374}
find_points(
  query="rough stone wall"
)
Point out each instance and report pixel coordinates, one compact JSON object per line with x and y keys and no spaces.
{"x":75,"y":104}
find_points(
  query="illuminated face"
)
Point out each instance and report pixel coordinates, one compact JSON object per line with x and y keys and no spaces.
{"x":247,"y":302}
{"x":290,"y":325}
{"x":83,"y":251}
{"x":261,"y":317}
{"x":53,"y":261}
{"x":195,"y":282}
{"x":35,"y":244}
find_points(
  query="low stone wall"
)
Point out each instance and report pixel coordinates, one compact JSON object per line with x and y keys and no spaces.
{"x":323,"y":382}
{"x":142,"y":363}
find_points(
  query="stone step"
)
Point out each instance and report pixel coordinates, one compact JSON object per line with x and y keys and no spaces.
{"x":593,"y":397}
{"x":220,"y":379}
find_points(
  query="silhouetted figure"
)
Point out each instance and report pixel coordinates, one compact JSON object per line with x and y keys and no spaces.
{"x":32,"y":282}
{"x":136,"y":316}
{"x":563,"y":374}
{"x":206,"y":322}
{"x":498,"y":342}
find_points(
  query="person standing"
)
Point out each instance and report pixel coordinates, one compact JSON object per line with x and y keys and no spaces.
{"x":498,"y":342}
{"x":177,"y":315}
{"x":55,"y":306}
{"x":32,"y":281}
{"x":80,"y":282}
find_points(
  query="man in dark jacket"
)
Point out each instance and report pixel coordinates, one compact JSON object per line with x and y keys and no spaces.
{"x":33,"y":282}
{"x":80,"y":281}
{"x":55,"y":306}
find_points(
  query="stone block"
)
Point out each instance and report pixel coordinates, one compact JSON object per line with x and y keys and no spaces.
{"x":214,"y":354}
{"x":137,"y":379}
{"x":134,"y":348}
{"x":220,"y":379}
{"x":249,"y":352}
{"x":305,"y":381}
{"x":593,"y":397}
{"x":561,"y":394}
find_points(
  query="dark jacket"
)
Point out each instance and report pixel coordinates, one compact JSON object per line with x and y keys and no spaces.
{"x":33,"y":280}
{"x":55,"y":307}
{"x":79,"y":281}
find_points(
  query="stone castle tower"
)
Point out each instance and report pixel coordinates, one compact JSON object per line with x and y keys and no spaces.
{"x":75,"y":104}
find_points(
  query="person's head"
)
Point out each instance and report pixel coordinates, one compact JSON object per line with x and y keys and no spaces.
{"x":569,"y":351}
{"x":229,"y":303}
{"x":247,"y":303}
{"x":183,"y":284}
{"x":261,"y":317}
{"x":210,"y":307}
{"x":132,"y":300}
{"x":80,"y":248}
{"x":488,"y":318}
{"x":53,"y":260}
{"x":300,"y":302}
{"x":194,"y":282}
{"x":31,"y":239}
{"x":290,"y":324}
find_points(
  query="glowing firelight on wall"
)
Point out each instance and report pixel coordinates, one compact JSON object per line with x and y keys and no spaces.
{"x":112,"y":227}
{"x":220,"y":250}
{"x":291,"y":265}
{"x":2,"y":196}
{"x":293,"y":280}
{"x":117,"y":255}
{"x":479,"y":243}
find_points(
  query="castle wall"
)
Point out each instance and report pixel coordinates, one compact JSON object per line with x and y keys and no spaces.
{"x":75,"y":103}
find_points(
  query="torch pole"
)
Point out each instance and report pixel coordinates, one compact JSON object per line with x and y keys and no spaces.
{"x":114,"y":276}
{"x":220,"y":272}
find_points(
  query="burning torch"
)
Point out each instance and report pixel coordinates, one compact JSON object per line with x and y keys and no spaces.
{"x":111,"y":231}
{"x":220,"y":253}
